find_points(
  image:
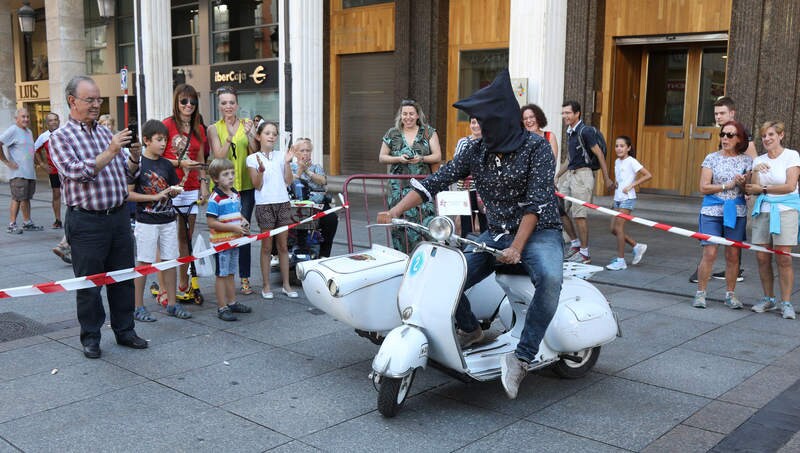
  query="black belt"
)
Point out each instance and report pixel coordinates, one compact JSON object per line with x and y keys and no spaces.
{"x":108,"y":211}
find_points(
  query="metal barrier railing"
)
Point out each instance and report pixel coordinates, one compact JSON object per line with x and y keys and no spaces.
{"x":361,"y":208}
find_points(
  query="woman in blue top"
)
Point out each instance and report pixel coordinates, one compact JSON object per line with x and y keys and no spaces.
{"x":722,"y":181}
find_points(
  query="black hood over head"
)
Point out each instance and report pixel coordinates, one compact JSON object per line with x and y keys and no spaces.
{"x":497,"y":110}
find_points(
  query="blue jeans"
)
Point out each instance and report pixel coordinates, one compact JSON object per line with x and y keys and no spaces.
{"x":542,"y":257}
{"x":248,"y":199}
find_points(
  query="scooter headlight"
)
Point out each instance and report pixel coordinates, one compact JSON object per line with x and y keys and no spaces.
{"x":441,"y":228}
{"x":333,"y":288}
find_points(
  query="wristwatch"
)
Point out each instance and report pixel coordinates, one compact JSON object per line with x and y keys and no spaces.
{"x":764,"y":190}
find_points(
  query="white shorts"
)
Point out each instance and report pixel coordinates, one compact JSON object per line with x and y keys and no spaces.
{"x":186,"y":199}
{"x":151,"y":238}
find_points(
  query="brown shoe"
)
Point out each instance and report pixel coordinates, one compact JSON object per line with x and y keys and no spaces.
{"x":467,"y":339}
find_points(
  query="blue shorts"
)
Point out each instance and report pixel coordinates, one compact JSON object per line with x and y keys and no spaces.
{"x":625,"y":204}
{"x":711,"y":224}
{"x":226,"y":262}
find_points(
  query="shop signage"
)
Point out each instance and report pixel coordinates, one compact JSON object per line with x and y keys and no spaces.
{"x":246,"y":76}
{"x":33,"y":91}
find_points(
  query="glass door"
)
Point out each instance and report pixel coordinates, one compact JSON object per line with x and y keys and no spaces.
{"x":676,"y":121}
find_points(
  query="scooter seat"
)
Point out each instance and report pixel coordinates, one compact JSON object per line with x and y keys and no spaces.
{"x":511,"y":269}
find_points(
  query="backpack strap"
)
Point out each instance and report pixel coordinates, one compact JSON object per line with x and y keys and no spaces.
{"x":586,"y":157}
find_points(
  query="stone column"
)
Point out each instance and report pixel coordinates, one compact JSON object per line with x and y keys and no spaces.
{"x":156,"y":48}
{"x":8,"y":96}
{"x":305,"y":46}
{"x":66,"y":49}
{"x":537,"y":41}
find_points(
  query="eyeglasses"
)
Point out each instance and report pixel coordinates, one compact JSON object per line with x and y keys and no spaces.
{"x":233,"y":150}
{"x":98,"y":101}
{"x":192,"y":101}
{"x":727,"y":134}
{"x":407,"y":102}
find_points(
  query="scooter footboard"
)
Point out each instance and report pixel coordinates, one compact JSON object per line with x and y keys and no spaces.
{"x":404,"y":349}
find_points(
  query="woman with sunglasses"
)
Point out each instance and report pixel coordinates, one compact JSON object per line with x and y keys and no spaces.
{"x":775,"y":219}
{"x":411,"y":147}
{"x":722,"y":180}
{"x":233,"y":138}
{"x":186,"y":146}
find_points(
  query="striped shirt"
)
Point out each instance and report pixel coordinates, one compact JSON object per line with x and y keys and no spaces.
{"x":74,"y":148}
{"x":227,"y":209}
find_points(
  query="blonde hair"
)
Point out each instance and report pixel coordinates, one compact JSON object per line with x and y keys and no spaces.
{"x":777,"y":125}
{"x":107,"y":121}
{"x":217,"y":166}
{"x":422,"y":122}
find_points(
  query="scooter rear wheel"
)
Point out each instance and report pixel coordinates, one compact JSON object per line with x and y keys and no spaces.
{"x":392,"y":394}
{"x":569,"y":369}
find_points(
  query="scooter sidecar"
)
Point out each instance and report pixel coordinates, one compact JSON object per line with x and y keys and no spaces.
{"x":359,"y":289}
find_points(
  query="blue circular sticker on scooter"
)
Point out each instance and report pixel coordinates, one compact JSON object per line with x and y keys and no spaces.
{"x":416,"y":264}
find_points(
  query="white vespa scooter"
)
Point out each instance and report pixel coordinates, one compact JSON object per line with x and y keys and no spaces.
{"x":358,"y":289}
{"x":571,"y":345}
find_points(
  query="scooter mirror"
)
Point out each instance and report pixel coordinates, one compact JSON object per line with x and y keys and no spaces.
{"x":441,"y":228}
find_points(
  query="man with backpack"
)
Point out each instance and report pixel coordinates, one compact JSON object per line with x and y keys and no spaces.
{"x":587,"y":153}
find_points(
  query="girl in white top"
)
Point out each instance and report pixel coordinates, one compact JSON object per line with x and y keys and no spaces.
{"x":270,"y":172}
{"x":774,"y":177}
{"x":629,"y":173}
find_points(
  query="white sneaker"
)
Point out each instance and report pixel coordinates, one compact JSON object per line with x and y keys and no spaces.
{"x":699,"y":300}
{"x":787,"y":310}
{"x":767,"y":304}
{"x":512,"y":372}
{"x":617,"y":264}
{"x":638,"y":252}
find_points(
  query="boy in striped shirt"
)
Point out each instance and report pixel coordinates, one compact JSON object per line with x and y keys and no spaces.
{"x":225,"y":223}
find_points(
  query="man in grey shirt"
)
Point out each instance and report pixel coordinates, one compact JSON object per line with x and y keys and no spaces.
{"x":20,"y":157}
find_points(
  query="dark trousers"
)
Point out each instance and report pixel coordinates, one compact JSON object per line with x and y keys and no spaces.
{"x":248,"y":199}
{"x":102,"y":243}
{"x":327,"y":226}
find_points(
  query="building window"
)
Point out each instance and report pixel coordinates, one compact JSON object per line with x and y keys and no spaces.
{"x":244,"y":30}
{"x":357,"y":3}
{"x":477,"y":68}
{"x":126,"y":49}
{"x":94,"y":34}
{"x":185,"y":32}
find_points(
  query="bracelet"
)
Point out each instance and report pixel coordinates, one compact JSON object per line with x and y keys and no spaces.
{"x":723,"y":186}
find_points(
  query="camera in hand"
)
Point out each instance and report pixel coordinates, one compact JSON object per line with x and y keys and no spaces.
{"x":134,"y":128}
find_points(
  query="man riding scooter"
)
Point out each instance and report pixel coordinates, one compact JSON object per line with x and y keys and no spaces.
{"x":513,"y":172}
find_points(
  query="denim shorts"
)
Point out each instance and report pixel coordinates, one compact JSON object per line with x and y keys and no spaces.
{"x":711,"y":224}
{"x":625,"y":204}
{"x":226,"y":262}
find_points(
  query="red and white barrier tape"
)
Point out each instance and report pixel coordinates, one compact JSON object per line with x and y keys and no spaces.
{"x":90,"y":281}
{"x":677,"y":230}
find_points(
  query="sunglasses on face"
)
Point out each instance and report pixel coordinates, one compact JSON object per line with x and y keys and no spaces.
{"x":727,"y":134}
{"x":185,"y":101}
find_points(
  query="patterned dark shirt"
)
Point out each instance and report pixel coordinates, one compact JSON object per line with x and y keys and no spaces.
{"x":510,"y":184}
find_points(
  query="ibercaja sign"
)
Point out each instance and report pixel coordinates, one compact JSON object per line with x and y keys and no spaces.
{"x":246,"y":76}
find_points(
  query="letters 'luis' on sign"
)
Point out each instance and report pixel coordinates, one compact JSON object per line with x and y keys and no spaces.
{"x":246,"y":76}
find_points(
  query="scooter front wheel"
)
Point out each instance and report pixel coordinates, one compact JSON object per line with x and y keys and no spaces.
{"x":392,"y":394}
{"x":570,"y":369}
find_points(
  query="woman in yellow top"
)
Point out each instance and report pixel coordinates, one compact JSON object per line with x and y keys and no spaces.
{"x":233,"y":138}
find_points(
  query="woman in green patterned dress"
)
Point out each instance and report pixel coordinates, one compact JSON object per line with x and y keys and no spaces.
{"x":411,"y":147}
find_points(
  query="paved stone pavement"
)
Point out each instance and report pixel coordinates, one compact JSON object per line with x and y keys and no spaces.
{"x":287,"y":378}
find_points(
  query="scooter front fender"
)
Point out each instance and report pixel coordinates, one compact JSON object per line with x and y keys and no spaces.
{"x":404,"y":349}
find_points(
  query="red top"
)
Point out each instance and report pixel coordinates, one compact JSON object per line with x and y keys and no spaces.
{"x":196,"y":146}
{"x":46,"y":146}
